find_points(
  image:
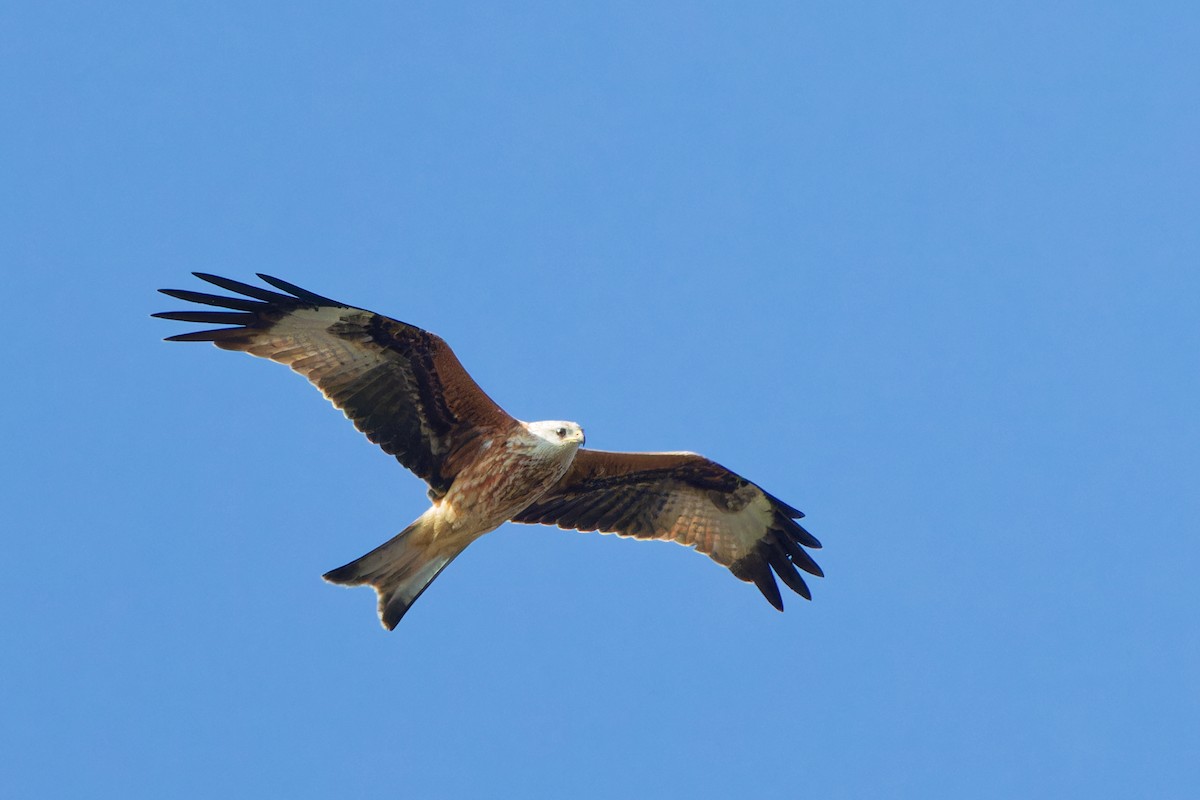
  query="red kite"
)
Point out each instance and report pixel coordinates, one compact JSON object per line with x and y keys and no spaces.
{"x":404,"y":388}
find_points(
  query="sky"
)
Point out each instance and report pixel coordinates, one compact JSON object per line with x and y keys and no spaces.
{"x":928,"y":271}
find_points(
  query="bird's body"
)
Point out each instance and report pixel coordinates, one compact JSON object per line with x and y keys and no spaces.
{"x":513,"y":471}
{"x":405,"y":389}
{"x":509,"y":475}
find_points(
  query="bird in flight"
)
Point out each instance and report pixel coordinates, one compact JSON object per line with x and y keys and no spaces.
{"x":406,"y":390}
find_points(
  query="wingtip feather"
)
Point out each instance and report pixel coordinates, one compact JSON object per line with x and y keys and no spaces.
{"x":220,"y":301}
{"x":216,"y":336}
{"x":796,"y":531}
{"x":303,"y":294}
{"x":754,"y":569}
{"x":246,"y":289}
{"x":788,"y":574}
{"x":792,"y":513}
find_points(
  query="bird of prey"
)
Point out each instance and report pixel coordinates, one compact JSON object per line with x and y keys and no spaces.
{"x":404,"y":388}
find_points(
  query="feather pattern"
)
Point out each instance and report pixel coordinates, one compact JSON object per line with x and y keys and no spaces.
{"x":684,"y":498}
{"x":400,"y":385}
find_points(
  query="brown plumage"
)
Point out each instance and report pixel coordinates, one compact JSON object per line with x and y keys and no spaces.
{"x":404,"y":388}
{"x":684,"y":498}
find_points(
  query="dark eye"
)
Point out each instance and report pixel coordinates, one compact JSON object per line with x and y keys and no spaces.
{"x":562,"y":433}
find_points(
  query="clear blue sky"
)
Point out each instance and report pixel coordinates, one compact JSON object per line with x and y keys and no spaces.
{"x":928,"y":271}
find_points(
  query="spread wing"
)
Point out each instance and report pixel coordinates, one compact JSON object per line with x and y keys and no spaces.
{"x":685,"y":498}
{"x":400,"y":385}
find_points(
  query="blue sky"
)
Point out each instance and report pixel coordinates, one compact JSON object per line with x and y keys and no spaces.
{"x":927,"y":271}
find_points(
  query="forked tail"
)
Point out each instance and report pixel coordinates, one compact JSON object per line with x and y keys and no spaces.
{"x":398,"y":570}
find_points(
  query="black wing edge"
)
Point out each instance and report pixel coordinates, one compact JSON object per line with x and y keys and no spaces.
{"x":781,"y":550}
{"x":266,"y":306}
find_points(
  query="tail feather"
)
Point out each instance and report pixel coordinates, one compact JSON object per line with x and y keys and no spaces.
{"x":398,"y":570}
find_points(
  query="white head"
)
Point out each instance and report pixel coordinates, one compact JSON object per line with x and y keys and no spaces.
{"x":557,"y":432}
